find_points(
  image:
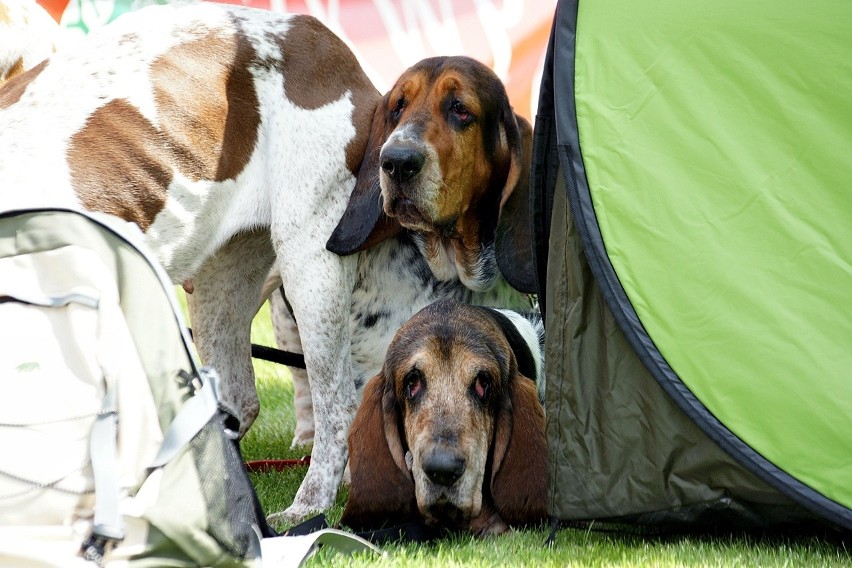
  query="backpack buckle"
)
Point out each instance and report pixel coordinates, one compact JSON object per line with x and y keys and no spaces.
{"x":97,"y":545}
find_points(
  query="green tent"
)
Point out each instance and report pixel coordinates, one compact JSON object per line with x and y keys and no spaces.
{"x":692,"y":204}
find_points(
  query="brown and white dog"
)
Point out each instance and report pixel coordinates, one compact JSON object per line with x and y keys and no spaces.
{"x":452,"y":430}
{"x":233,"y":137}
{"x":28,"y":36}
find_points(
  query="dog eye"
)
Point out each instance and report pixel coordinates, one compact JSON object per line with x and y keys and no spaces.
{"x":413,"y":383}
{"x":460,"y":111}
{"x":482,"y":384}
{"x":398,"y":108}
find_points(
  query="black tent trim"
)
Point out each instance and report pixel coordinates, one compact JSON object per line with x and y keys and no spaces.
{"x":561,"y":122}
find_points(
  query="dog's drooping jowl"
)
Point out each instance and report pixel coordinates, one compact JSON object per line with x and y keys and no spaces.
{"x":452,"y":429}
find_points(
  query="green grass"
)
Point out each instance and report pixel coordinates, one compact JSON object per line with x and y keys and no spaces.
{"x":272,"y":433}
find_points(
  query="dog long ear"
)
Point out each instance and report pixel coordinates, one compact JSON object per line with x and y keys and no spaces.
{"x":524,"y":340}
{"x":514,"y":242}
{"x":364,"y":223}
{"x":381,"y":489}
{"x":519,"y":461}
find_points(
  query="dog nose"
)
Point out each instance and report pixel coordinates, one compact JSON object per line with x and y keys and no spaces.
{"x":402,"y":163}
{"x":443,"y":467}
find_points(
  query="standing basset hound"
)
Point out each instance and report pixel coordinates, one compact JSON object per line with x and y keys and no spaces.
{"x":448,"y":161}
{"x":28,"y":36}
{"x":452,"y":429}
{"x":233,"y":137}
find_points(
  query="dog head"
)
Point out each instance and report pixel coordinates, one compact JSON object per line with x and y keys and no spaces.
{"x":452,"y":429}
{"x":449,"y":160}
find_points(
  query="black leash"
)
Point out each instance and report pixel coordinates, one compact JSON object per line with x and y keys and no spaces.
{"x":274,"y":355}
{"x":279,"y":356}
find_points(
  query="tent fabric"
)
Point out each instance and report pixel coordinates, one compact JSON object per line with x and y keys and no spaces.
{"x":619,"y":447}
{"x":697,"y":348}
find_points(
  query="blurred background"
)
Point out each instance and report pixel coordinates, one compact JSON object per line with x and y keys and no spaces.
{"x":388,"y":36}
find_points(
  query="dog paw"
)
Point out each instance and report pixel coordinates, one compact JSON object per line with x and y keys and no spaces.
{"x":302,"y":438}
{"x":487,"y":524}
{"x":292,"y":515}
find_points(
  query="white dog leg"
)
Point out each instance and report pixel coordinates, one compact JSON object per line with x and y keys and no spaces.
{"x":221,"y":308}
{"x":304,"y":406}
{"x":287,"y":338}
{"x":321,"y":307}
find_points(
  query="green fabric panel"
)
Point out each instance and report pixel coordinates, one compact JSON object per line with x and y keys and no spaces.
{"x":618,"y":445}
{"x":717,"y":141}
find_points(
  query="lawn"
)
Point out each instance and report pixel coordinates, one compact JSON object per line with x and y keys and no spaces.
{"x":270,"y":438}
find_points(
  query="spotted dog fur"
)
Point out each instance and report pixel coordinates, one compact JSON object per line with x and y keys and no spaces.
{"x":451,"y":430}
{"x":232,"y":137}
{"x":464,"y":234}
{"x":28,"y":36}
{"x":393,"y":282}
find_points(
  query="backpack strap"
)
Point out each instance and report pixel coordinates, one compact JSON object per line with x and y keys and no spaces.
{"x":107,"y":529}
{"x":197,"y":412}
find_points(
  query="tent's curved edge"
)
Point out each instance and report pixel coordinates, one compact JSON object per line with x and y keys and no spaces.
{"x":582,"y":209}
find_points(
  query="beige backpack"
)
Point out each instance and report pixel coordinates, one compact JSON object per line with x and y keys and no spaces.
{"x":115,"y":451}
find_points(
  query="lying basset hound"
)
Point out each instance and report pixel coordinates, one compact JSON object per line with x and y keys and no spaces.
{"x":28,"y":35}
{"x":233,"y":137}
{"x":452,"y":429}
{"x":447,"y":158}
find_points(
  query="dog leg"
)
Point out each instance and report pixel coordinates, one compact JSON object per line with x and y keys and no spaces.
{"x":304,"y":406}
{"x":287,"y":338}
{"x":321,"y":306}
{"x":221,"y":308}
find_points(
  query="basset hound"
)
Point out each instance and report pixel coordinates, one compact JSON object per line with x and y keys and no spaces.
{"x":448,"y":161}
{"x":452,"y":429}
{"x":234,"y":137}
{"x":28,"y":35}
